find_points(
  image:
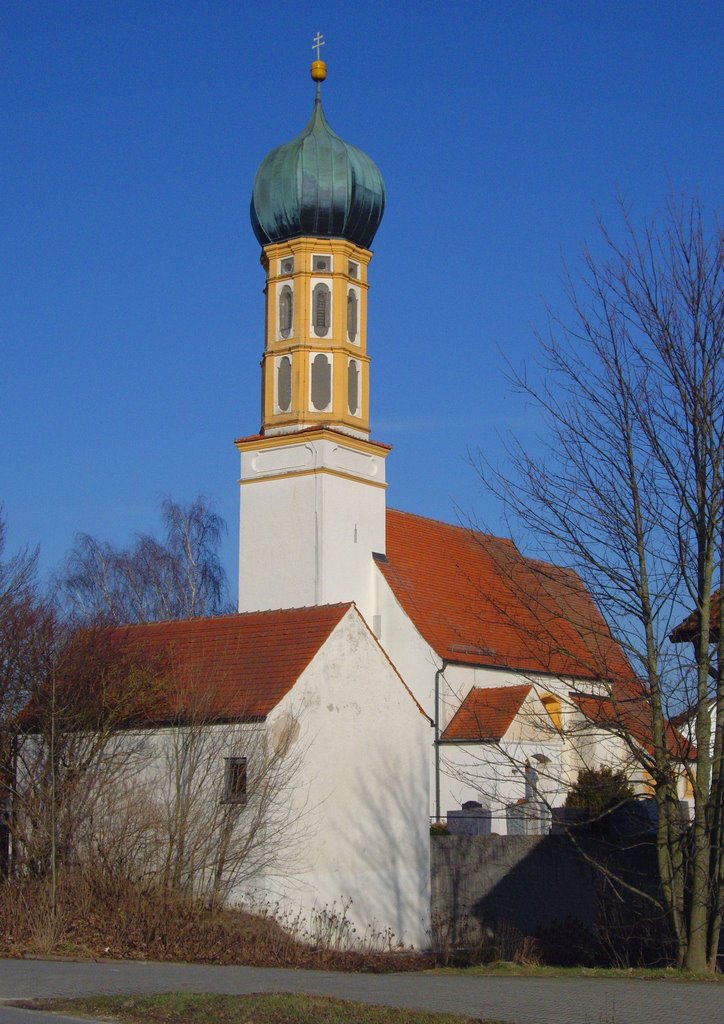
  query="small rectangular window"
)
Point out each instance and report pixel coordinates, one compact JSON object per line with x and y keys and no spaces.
{"x":286,"y":266}
{"x":353,"y":270}
{"x":235,"y":781}
{"x":321,"y":263}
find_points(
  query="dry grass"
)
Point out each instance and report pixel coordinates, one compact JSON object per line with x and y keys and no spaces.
{"x":100,"y":917}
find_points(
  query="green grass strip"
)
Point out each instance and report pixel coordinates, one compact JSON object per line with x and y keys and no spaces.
{"x":188,"y":1008}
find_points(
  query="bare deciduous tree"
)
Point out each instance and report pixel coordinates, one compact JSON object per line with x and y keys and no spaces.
{"x":67,"y":745}
{"x":20,"y":615}
{"x":630,"y":493}
{"x":129,"y":763}
{"x":114,"y":756}
{"x":178,"y":577}
{"x":225,"y":803}
{"x":25,"y":622}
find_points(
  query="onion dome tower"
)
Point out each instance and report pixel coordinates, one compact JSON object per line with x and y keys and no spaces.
{"x":319,"y":186}
{"x":316,"y":205}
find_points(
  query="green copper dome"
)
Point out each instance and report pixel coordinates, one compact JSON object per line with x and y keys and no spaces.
{"x":317,"y":185}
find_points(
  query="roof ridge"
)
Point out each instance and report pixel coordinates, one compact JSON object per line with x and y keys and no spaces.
{"x":392,"y":664}
{"x":470,"y":530}
{"x":503,"y":686}
{"x":228,"y":616}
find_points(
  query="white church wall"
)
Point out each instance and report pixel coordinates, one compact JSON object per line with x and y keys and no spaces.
{"x":311,"y":515}
{"x":364,"y":802}
{"x":413,"y":658}
{"x":156,"y":800}
{"x":494,"y":775}
{"x":278,"y":549}
{"x":594,"y":748}
{"x":411,"y":655}
{"x":354,"y":516}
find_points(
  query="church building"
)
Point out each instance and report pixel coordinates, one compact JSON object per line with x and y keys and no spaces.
{"x":427,"y":666}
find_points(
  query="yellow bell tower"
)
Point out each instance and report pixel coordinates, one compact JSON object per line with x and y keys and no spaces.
{"x":315,"y":369}
{"x":312,"y":482}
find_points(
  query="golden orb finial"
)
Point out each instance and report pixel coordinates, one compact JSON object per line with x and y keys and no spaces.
{"x":319,"y":68}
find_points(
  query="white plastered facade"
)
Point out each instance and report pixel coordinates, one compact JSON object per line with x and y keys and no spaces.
{"x":363,"y":801}
{"x":312,"y":514}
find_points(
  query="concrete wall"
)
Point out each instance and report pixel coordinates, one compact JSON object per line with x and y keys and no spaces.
{"x":535,"y":882}
{"x":528,"y":881}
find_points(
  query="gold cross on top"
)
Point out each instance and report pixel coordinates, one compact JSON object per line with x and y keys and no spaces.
{"x":318,"y":43}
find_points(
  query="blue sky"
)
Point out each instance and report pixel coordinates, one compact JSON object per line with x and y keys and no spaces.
{"x":131,"y":316}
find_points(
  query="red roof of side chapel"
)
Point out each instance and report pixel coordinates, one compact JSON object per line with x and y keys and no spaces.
{"x":486,"y":714}
{"x":477,"y":600}
{"x":233,"y":666}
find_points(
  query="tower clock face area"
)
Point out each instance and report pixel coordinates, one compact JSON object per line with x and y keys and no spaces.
{"x":315,"y":366}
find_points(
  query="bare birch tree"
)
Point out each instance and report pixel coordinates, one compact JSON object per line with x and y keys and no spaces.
{"x":178,"y":577}
{"x":629,"y":492}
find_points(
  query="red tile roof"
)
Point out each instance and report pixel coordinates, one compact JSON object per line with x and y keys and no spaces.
{"x":689,"y":628}
{"x":233,"y":666}
{"x":475,"y":599}
{"x":631,"y":717}
{"x":486,"y":713}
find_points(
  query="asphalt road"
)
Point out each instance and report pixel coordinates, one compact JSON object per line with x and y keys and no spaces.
{"x":519,"y":1000}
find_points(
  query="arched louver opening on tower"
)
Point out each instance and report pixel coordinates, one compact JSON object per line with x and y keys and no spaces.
{"x":352,"y":315}
{"x":353,"y":387}
{"x":286,"y":311}
{"x":321,"y":383}
{"x":284,"y":384}
{"x":321,"y":310}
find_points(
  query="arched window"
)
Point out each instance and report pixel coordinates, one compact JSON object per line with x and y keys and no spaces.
{"x":321,"y":303}
{"x":321,"y":382}
{"x":353,"y":387}
{"x":352,"y":315}
{"x":284,"y":384}
{"x":553,"y":706}
{"x":286,"y":311}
